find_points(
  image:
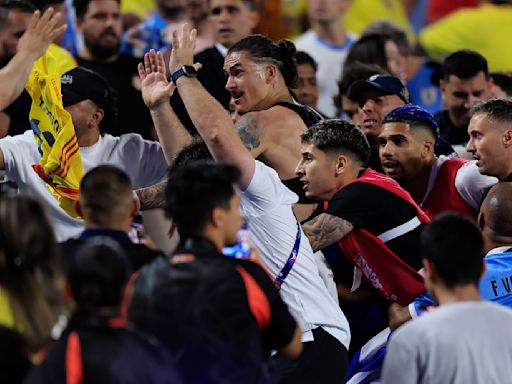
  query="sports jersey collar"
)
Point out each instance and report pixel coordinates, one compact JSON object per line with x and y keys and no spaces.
{"x":497,"y":250}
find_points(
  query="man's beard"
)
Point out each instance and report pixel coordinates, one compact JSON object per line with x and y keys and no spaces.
{"x":103,"y":52}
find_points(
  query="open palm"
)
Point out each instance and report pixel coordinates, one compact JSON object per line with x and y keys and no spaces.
{"x":156,"y":89}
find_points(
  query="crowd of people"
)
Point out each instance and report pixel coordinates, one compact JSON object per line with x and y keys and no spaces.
{"x":363,"y":178}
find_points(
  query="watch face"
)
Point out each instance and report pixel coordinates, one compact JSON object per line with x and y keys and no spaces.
{"x":189,"y":70}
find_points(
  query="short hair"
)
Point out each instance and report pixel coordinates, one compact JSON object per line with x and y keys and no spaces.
{"x":391,"y":29}
{"x":497,"y":110}
{"x":454,"y":245}
{"x":338,"y":135}
{"x":105,"y":192}
{"x":302,"y":57}
{"x":194,"y":190}
{"x":195,"y":151}
{"x":281,"y":53}
{"x":42,"y":4}
{"x":352,"y":73}
{"x":503,"y":80}
{"x":370,"y":49}
{"x":416,"y":117}
{"x":97,"y":273}
{"x":81,"y":7}
{"x":464,"y":64}
{"x":18,"y":5}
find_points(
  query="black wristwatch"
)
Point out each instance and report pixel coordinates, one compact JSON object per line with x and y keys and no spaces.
{"x":186,"y":70}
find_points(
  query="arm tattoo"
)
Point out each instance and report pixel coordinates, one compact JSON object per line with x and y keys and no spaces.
{"x":249,"y":131}
{"x":152,"y":197}
{"x":325,"y":230}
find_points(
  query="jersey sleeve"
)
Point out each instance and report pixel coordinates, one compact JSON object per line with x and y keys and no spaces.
{"x":472,"y":185}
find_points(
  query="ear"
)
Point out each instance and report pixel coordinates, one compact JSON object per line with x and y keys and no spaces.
{"x":271,"y":72}
{"x":254,"y":19}
{"x":78,"y":208}
{"x":135,"y":208}
{"x":217,"y":217}
{"x":428,"y":148}
{"x":481,"y":219}
{"x":507,"y":138}
{"x":429,"y":270}
{"x":97,"y":117}
{"x":341,"y":164}
{"x":442,"y":86}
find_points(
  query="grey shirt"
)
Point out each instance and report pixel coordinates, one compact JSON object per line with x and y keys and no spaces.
{"x":467,"y":342}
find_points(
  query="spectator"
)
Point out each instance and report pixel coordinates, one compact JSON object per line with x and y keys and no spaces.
{"x":187,"y":319}
{"x":198,"y":12}
{"x":465,"y":82}
{"x":328,"y":43}
{"x":91,"y":103}
{"x":490,"y":138}
{"x":407,"y":141}
{"x":502,"y":84}
{"x":98,"y":346}
{"x":306,"y":91}
{"x":447,"y":344}
{"x":99,"y":21}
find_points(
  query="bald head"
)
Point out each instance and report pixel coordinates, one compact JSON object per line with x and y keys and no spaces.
{"x":495,"y":218}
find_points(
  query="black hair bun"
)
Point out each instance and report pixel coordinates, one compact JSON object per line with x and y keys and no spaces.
{"x":287,"y":48}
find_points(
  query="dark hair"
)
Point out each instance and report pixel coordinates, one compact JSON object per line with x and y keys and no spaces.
{"x":504,"y":81}
{"x":42,"y":4}
{"x":390,"y":29}
{"x":194,"y":190}
{"x":464,"y":64}
{"x":302,"y":57}
{"x":14,"y":356}
{"x":456,"y":262}
{"x":18,"y":5}
{"x":369,"y":49}
{"x":497,"y":110}
{"x":97,"y":272}
{"x":338,"y":135}
{"x":81,"y":7}
{"x":280,"y":53}
{"x":415,"y":117}
{"x":195,"y":151}
{"x":105,"y":192}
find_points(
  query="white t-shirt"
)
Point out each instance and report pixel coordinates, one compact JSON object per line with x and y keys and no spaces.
{"x":309,"y":289}
{"x":142,"y":160}
{"x":330,"y":59}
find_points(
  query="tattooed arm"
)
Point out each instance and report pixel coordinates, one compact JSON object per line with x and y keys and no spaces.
{"x":325,"y":230}
{"x":152,"y":197}
{"x":251,"y":133}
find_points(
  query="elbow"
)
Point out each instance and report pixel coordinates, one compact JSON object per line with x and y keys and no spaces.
{"x":294,"y":348}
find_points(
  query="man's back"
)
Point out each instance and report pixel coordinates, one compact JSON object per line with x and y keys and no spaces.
{"x":467,"y":342}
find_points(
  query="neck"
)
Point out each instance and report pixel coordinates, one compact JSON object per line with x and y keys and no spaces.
{"x":122,"y":227}
{"x":89,"y":138}
{"x":348,"y":175}
{"x":214,"y":236}
{"x":457,"y":294}
{"x":282,"y":94}
{"x":86,"y":54}
{"x":331,"y":32}
{"x":417,"y":185}
{"x":492,"y":241}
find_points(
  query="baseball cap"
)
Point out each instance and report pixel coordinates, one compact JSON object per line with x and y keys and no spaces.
{"x":384,"y":83}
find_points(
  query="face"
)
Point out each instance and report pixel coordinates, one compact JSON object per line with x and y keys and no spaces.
{"x":327,"y":11}
{"x":487,"y":144}
{"x":197,"y":9}
{"x":395,"y":60}
{"x":375,"y":108}
{"x":460,"y":95}
{"x":101,"y":27}
{"x":307,"y":90}
{"x":82,"y":114}
{"x":498,"y":92}
{"x":232,"y":20}
{"x":233,"y":221}
{"x":402,"y":151}
{"x":246,"y":82}
{"x":317,"y":172}
{"x":350,"y":110}
{"x":17,"y":23}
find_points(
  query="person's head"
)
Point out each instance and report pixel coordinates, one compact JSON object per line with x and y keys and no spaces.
{"x":203,"y":202}
{"x":58,"y":6}
{"x":377,"y":96}
{"x":452,"y":252}
{"x":378,"y":49}
{"x":465,"y":81}
{"x":490,"y":137}
{"x":30,"y":272}
{"x":326,"y":12}
{"x":333,"y":153}
{"x":197,"y":10}
{"x":407,"y":142}
{"x":257,"y":70}
{"x":502,"y":84}
{"x":306,"y":90}
{"x":106,"y":199}
{"x":89,"y":99}
{"x":391,"y":29}
{"x":170,"y":9}
{"x":14,"y":18}
{"x":348,"y":108}
{"x":232,"y":20}
{"x":97,"y":275}
{"x":100,"y":23}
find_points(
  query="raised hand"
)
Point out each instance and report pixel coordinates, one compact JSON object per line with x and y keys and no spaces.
{"x":183,"y":45}
{"x":156,"y":89}
{"x":41,"y":31}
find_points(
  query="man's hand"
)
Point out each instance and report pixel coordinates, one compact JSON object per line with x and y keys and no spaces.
{"x":156,"y":89}
{"x":41,"y":31}
{"x":183,"y":45}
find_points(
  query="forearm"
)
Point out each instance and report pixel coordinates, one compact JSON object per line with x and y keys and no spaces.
{"x":14,"y":76}
{"x":172,"y":134}
{"x":152,"y":197}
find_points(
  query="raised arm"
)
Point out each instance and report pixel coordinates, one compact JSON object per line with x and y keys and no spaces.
{"x":156,"y":92}
{"x":209,"y":117}
{"x":35,"y":41}
{"x":324,"y":230}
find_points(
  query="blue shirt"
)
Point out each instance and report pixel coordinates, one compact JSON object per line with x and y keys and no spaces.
{"x":151,"y":34}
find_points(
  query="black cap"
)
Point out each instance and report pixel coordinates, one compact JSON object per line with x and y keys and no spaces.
{"x":386,"y":84}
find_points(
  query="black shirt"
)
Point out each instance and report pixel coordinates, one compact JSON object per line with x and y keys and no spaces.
{"x":200,"y":310}
{"x":450,"y":133}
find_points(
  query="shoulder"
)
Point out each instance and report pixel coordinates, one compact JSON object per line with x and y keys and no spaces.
{"x":306,"y":39}
{"x":207,"y":54}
